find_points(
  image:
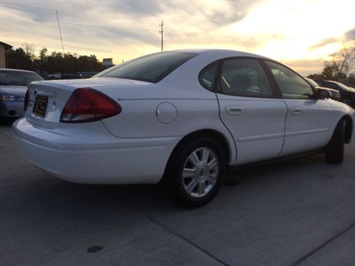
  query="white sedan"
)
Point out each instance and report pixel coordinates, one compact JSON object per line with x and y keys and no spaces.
{"x":13,"y":87}
{"x":180,"y":116}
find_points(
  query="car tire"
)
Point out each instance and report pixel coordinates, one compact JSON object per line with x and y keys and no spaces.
{"x":196,"y":171}
{"x":335,"y":149}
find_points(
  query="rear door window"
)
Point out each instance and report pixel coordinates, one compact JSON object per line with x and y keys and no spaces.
{"x":238,"y":77}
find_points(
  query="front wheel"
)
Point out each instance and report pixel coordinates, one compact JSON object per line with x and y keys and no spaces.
{"x":196,"y":171}
{"x":335,"y":149}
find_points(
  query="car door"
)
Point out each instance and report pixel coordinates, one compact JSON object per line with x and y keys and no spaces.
{"x":249,"y":110}
{"x":307,"y":121}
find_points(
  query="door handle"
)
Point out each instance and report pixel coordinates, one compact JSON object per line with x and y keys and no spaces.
{"x":234,"y":110}
{"x":296,"y":110}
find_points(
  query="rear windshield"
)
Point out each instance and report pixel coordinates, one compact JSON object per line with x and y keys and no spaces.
{"x":18,"y":78}
{"x":151,"y":68}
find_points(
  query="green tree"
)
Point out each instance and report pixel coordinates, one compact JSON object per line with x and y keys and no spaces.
{"x":333,"y":70}
{"x":18,"y":59}
{"x":55,"y":62}
{"x":343,"y":61}
{"x":29,"y":50}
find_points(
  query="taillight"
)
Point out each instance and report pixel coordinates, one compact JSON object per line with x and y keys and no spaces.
{"x":87,"y":105}
{"x":27,"y":96}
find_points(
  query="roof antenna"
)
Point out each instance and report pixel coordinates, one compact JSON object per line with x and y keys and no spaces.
{"x":60,"y":32}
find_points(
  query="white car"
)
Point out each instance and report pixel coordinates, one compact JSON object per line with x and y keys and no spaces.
{"x":13,"y":87}
{"x":180,"y":116}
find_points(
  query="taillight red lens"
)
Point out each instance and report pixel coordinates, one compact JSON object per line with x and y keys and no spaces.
{"x":87,"y":105}
{"x":27,"y":96}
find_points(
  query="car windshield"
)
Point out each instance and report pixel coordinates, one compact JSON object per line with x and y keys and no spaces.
{"x":17,"y":78}
{"x":341,"y":85}
{"x":151,"y":68}
{"x":313,"y":83}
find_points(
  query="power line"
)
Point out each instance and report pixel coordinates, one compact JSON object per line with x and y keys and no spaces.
{"x":63,"y":14}
{"x":30,"y":9}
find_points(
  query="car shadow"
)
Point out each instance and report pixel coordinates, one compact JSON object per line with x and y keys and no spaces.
{"x":159,"y":196}
{"x":7,"y":121}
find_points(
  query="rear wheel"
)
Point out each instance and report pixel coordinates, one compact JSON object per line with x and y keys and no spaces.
{"x":196,"y":171}
{"x":335,"y":149}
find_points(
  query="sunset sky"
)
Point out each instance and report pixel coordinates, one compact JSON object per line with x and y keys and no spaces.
{"x":300,"y":33}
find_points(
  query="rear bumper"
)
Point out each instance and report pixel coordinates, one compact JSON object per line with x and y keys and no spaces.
{"x":93,"y":158}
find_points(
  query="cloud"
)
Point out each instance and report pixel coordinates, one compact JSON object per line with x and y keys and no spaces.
{"x":124,"y":29}
{"x":350,"y":35}
{"x":222,"y":13}
{"x":306,"y":67}
{"x":136,"y":8}
{"x":324,"y":42}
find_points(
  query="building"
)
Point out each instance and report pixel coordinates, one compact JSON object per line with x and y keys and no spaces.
{"x":107,"y":62}
{"x":3,"y":48}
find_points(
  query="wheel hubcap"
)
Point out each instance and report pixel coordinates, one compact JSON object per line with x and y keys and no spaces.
{"x":200,"y":172}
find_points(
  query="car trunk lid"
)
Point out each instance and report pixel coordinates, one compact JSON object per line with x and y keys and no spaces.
{"x":46,"y":100}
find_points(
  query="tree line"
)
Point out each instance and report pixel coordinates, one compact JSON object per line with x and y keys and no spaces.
{"x":55,"y":62}
{"x":340,"y":68}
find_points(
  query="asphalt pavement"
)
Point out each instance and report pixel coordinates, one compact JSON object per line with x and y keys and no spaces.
{"x":299,"y":211}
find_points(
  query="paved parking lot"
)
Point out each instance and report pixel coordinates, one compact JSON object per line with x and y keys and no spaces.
{"x":293,"y":212}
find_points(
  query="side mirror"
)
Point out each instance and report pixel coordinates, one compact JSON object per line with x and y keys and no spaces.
{"x":323,"y":93}
{"x":335,"y":95}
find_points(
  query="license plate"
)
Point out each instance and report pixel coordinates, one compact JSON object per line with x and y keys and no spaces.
{"x":40,"y":105}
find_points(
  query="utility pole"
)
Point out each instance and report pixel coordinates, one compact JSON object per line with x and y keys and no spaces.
{"x":161,"y":34}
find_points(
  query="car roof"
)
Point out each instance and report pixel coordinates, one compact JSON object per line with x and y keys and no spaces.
{"x":219,"y":52}
{"x":16,"y":70}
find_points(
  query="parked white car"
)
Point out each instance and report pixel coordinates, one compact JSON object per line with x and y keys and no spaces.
{"x":182,"y":116}
{"x":13,"y":87}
